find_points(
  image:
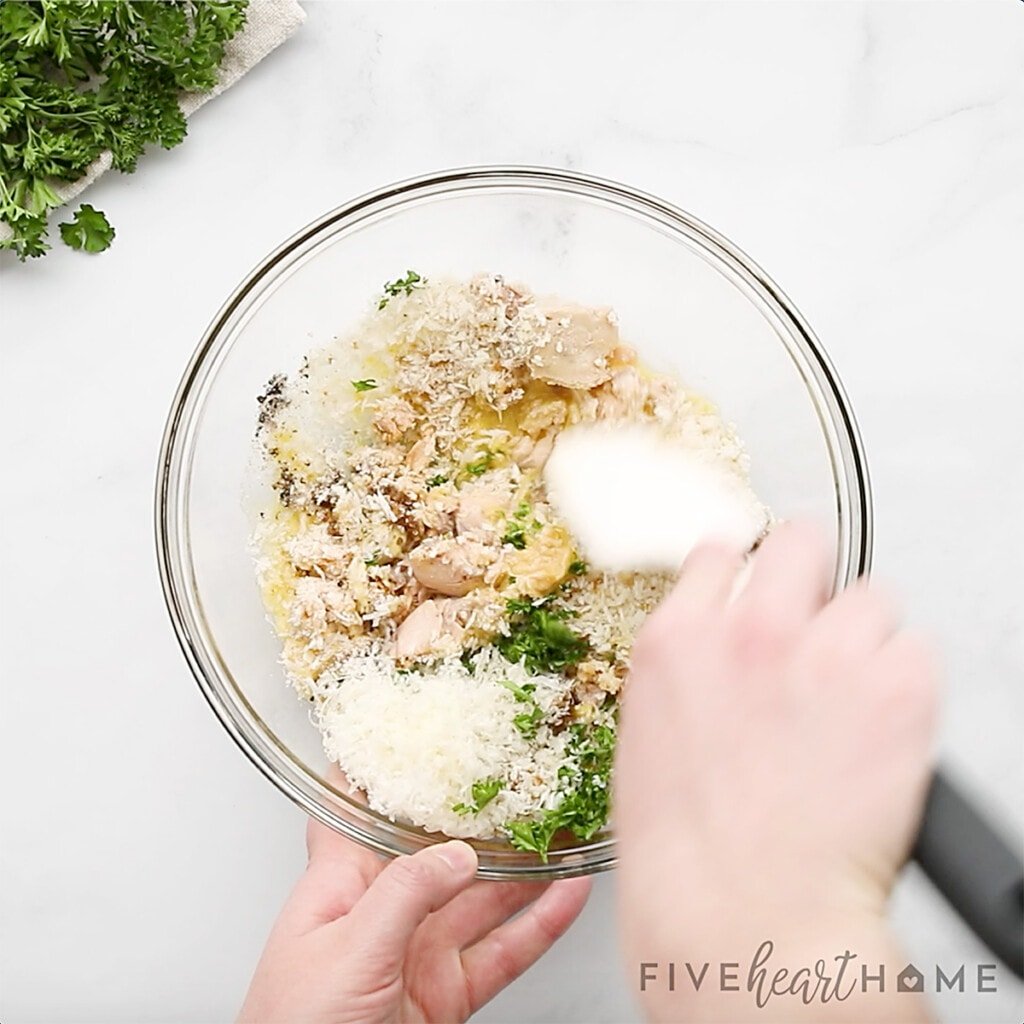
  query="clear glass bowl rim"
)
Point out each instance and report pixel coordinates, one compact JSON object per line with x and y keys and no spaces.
{"x":849,"y":465}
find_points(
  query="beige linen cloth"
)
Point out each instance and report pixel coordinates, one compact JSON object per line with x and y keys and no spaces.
{"x":268,"y":23}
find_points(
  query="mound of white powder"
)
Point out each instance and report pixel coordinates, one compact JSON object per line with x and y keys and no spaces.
{"x":636,"y":499}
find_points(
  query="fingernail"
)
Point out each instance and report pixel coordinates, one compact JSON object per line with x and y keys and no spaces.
{"x":459,"y":856}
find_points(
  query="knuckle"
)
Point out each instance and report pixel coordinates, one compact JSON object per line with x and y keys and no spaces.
{"x":504,"y":961}
{"x":876,"y":603}
{"x":763,"y":630}
{"x":410,"y":873}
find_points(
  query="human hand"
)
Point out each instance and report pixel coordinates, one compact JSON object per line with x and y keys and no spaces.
{"x":774,"y":755}
{"x":416,"y":939}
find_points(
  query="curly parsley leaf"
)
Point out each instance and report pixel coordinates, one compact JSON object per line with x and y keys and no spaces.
{"x":399,"y":285}
{"x":534,"y":836}
{"x":89,"y":229}
{"x":522,"y":693}
{"x":528,"y":722}
{"x":483,"y":792}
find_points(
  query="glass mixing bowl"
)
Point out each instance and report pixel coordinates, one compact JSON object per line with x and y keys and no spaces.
{"x":687,"y":298}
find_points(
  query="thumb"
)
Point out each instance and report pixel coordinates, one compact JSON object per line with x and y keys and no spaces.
{"x":402,"y":896}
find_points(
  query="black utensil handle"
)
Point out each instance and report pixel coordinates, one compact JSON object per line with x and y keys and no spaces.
{"x":975,"y":869}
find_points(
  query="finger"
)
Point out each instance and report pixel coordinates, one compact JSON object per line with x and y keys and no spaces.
{"x":788,"y":585}
{"x":338,"y":873}
{"x":324,"y":844}
{"x":705,"y":585}
{"x":901,"y":690}
{"x":705,"y":581}
{"x":402,"y":896}
{"x":851,"y":627}
{"x":500,"y":957}
{"x":790,"y":569}
{"x":906,"y":671}
{"x":482,"y":907}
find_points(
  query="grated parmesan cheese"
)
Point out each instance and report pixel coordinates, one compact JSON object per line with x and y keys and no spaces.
{"x":416,"y":742}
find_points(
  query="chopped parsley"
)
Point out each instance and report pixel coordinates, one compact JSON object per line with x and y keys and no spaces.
{"x":534,"y":836}
{"x":400,"y":285}
{"x":374,"y":559}
{"x":528,"y":722}
{"x":365,"y":385}
{"x":481,"y":464}
{"x":483,"y":792}
{"x":436,"y":481}
{"x":585,"y":803}
{"x":525,"y":605}
{"x":539,"y":637}
{"x":522,"y":693}
{"x":578,"y":567}
{"x":515,"y":534}
{"x":516,"y":527}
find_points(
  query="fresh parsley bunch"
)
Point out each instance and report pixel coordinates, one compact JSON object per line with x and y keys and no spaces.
{"x":78,"y":77}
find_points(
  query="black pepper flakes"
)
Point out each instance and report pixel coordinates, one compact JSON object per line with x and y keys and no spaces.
{"x":273,"y":399}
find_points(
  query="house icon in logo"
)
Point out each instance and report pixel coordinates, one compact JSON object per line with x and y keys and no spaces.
{"x":910,"y":979}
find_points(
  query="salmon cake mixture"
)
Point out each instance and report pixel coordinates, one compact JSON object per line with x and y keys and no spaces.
{"x":463,"y":662}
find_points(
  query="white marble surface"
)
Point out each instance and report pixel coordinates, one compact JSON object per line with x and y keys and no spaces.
{"x":870,"y":156}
